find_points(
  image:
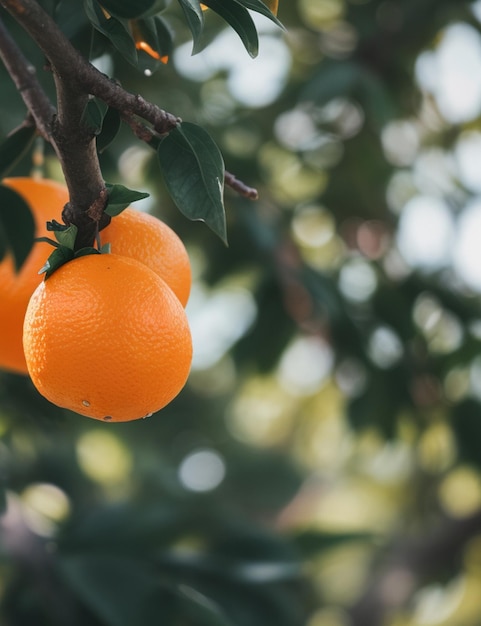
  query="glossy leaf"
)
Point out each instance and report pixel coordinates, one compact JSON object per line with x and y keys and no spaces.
{"x":240,"y":20}
{"x":120,"y":198}
{"x":16,"y":224}
{"x":153,"y":41}
{"x":260,"y":7}
{"x":193,"y":170}
{"x":114,"y":29}
{"x":13,"y":148}
{"x":110,"y":128}
{"x":128,"y":8}
{"x":195,"y":20}
{"x":93,"y":116}
{"x":58,"y":257}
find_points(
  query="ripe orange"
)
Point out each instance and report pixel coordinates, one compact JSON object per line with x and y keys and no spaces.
{"x":46,"y":199}
{"x":106,"y":337}
{"x":147,"y":239}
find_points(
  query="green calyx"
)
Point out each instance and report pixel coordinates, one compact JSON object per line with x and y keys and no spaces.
{"x":64,"y":244}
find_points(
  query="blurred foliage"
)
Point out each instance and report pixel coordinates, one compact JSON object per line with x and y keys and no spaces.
{"x":322,"y":466}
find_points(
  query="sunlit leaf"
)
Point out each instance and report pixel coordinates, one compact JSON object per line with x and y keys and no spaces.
{"x":193,"y":169}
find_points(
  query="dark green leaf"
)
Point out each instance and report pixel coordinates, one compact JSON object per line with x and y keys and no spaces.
{"x":13,"y":148}
{"x":86,"y":251}
{"x":59,"y":257}
{"x":93,"y":116}
{"x":110,"y":129}
{"x":153,"y":41}
{"x":116,"y":30}
{"x":3,"y":499}
{"x":164,"y":37}
{"x":120,"y":198}
{"x":193,"y":169}
{"x":17,"y":224}
{"x":260,"y":7}
{"x":311,"y":542}
{"x":67,"y":236}
{"x":99,"y":581}
{"x":333,"y":80}
{"x":128,"y":9}
{"x":239,"y":18}
{"x":466,"y":425}
{"x":195,"y":20}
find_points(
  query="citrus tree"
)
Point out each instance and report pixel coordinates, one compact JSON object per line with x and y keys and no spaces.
{"x":306,"y":367}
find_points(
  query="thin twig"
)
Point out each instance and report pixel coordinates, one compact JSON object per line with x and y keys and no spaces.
{"x":240,"y":187}
{"x":151,"y":138}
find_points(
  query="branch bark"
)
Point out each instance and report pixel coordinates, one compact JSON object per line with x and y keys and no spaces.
{"x":76,"y":80}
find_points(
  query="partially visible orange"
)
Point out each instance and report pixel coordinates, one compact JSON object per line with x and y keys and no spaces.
{"x":147,"y":239}
{"x":46,"y":199}
{"x":106,"y":337}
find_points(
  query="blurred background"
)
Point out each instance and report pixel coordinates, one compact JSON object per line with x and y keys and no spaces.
{"x":322,"y":467}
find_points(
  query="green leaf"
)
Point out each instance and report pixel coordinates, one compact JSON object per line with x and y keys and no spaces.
{"x":66,"y":236}
{"x":110,"y":129}
{"x":156,"y":34}
{"x":193,"y":169}
{"x":239,"y":18}
{"x":59,"y":257}
{"x":260,"y":7}
{"x":86,"y":252}
{"x":13,"y":148}
{"x":99,"y":580}
{"x":335,"y":79}
{"x":93,"y":116}
{"x":128,"y":9}
{"x":3,"y":499}
{"x":312,"y":542}
{"x":114,"y":29}
{"x":16,"y":224}
{"x":120,"y":198}
{"x":195,"y":20}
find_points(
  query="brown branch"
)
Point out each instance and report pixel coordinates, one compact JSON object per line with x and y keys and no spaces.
{"x":76,"y":79}
{"x":240,"y":187}
{"x":77,"y":72}
{"x":27,"y":84}
{"x":150,"y":137}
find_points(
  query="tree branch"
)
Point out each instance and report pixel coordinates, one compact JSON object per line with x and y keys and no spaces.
{"x":76,"y":80}
{"x":77,"y":72}
{"x":24,"y":76}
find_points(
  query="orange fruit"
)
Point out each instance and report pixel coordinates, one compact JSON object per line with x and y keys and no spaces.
{"x":106,"y":337}
{"x":46,"y":199}
{"x":147,"y":239}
